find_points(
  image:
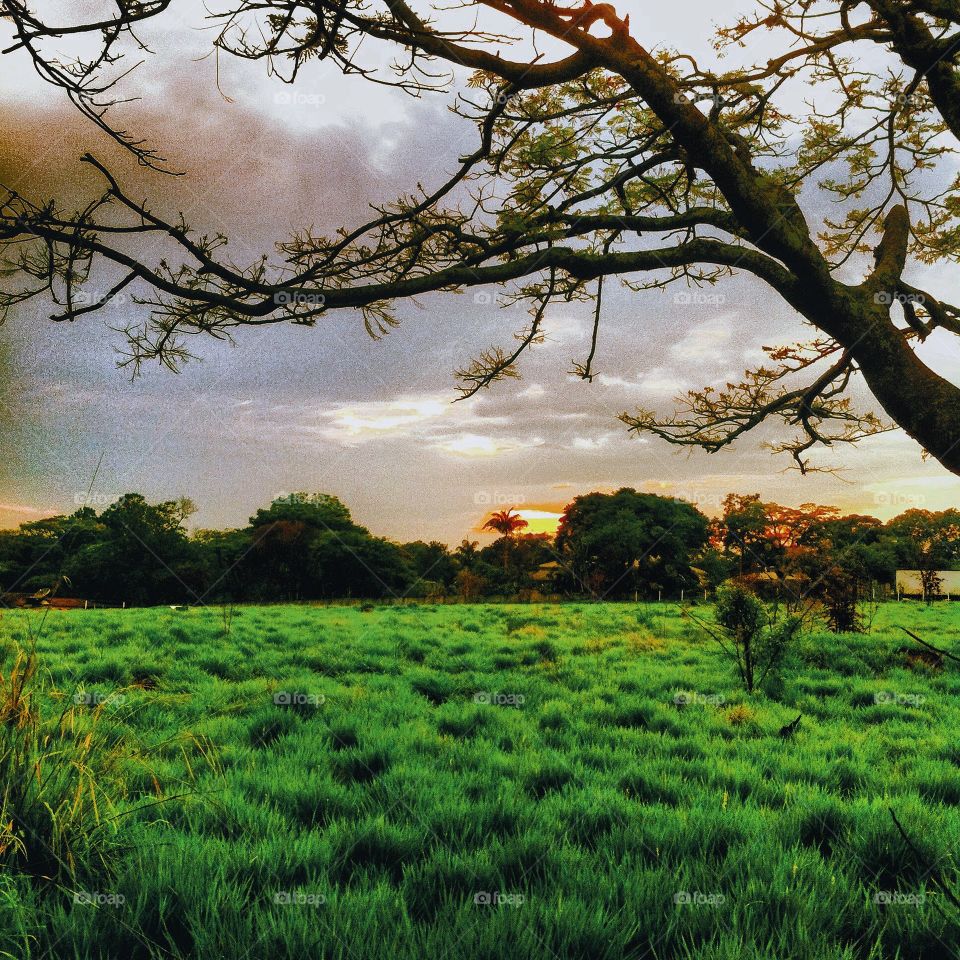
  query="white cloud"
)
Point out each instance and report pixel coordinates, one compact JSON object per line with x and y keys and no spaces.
{"x":359,"y":422}
{"x":428,"y":421}
{"x":707,"y":342}
{"x":595,"y":443}
{"x":473,"y":445}
{"x":534,"y":392}
{"x":558,"y":330}
{"x":656,"y":380}
{"x":426,"y":417}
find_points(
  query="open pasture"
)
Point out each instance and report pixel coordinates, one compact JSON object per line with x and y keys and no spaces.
{"x":571,"y":781}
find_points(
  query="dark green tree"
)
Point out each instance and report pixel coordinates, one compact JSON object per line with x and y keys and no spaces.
{"x":745,"y":532}
{"x":619,"y":543}
{"x":432,"y":563}
{"x":306,"y":546}
{"x":143,"y":557}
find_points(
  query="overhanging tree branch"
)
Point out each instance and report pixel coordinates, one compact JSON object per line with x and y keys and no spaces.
{"x":611,"y":159}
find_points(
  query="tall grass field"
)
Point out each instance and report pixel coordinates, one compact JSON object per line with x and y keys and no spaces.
{"x":557,"y":781}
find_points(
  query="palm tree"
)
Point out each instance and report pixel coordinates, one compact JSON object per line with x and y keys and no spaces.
{"x":466,"y":553}
{"x":506,"y":523}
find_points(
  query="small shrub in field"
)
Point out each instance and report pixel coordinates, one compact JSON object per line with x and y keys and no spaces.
{"x":463,"y":722}
{"x":753,"y":637}
{"x":555,"y":716}
{"x":841,"y":597}
{"x":640,"y":642}
{"x":514,"y":622}
{"x":645,"y":618}
{"x":740,"y":715}
{"x":436,"y":687}
{"x":546,"y":777}
{"x":822,"y":823}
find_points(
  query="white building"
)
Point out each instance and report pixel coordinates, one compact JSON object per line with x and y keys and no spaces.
{"x":910,"y":584}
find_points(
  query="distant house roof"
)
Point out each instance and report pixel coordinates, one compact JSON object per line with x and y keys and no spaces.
{"x":774,"y":577}
{"x":547,"y":571}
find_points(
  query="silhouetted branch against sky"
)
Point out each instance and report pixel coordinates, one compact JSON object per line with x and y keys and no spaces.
{"x":810,"y":146}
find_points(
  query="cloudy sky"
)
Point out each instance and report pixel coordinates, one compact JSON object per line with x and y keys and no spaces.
{"x":327,"y":409}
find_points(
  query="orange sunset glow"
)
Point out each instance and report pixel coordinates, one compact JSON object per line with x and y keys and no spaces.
{"x":540,"y":518}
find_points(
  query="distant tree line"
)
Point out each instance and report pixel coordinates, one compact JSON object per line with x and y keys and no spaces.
{"x":619,"y":545}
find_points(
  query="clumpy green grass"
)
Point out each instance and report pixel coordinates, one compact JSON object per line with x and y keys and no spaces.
{"x":493,"y":781}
